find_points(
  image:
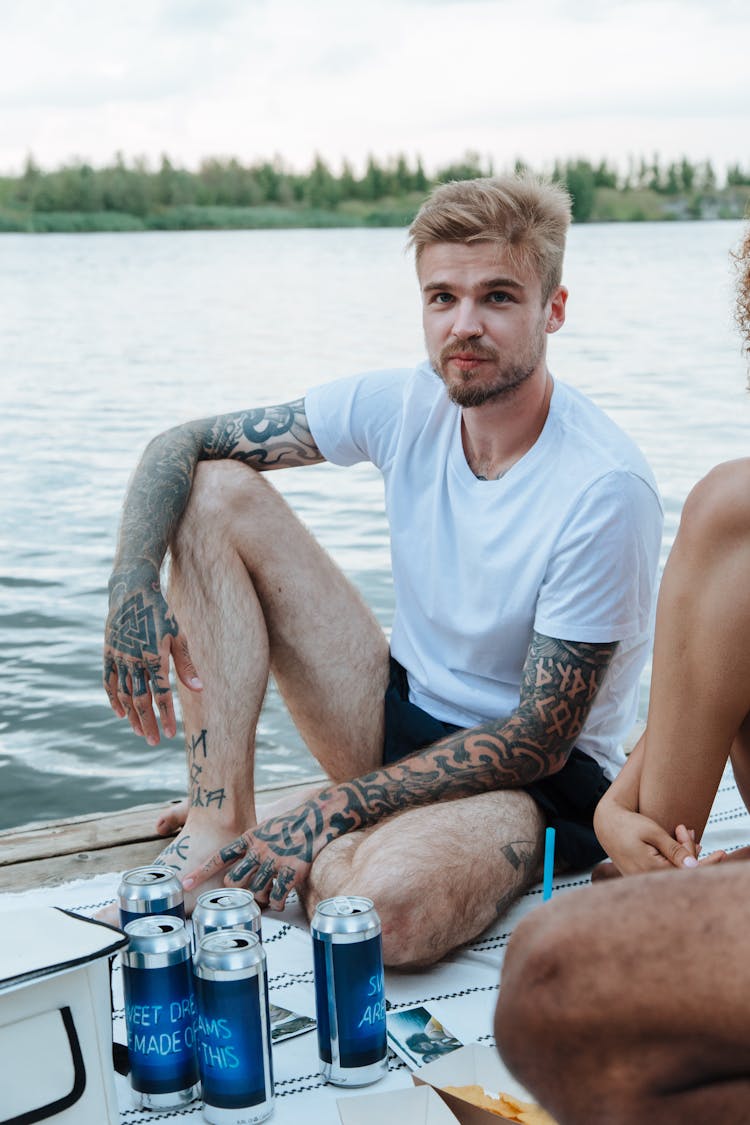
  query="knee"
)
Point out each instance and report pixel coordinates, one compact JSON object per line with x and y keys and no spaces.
{"x":414,"y":930}
{"x":529,"y":1015}
{"x":218,"y":485}
{"x":220,"y":490}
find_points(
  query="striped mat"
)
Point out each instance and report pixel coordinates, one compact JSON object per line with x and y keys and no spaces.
{"x":461,"y":991}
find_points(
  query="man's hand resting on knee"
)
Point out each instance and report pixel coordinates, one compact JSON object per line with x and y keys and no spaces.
{"x":139,"y":637}
{"x":272,"y":858}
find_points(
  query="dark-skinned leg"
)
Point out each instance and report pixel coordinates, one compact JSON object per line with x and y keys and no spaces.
{"x":627,"y":1002}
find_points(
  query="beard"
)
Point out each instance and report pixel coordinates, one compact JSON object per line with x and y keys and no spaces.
{"x":492,"y":379}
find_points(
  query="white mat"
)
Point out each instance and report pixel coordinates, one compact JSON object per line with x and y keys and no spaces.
{"x":461,"y":991}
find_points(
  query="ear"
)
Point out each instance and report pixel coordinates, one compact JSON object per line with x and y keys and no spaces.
{"x":556,"y":304}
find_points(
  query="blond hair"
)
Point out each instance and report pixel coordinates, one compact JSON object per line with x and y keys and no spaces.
{"x":526,"y":215}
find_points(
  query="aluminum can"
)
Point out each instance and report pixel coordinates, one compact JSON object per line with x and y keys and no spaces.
{"x":149,"y":890}
{"x":234,"y":1030}
{"x":160,"y":1013}
{"x":225,"y":909}
{"x":349,"y":991}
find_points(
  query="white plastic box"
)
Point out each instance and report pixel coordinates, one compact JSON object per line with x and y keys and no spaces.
{"x":56,"y":1019}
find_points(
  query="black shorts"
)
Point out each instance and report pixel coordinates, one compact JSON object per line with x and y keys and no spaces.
{"x":567,"y":798}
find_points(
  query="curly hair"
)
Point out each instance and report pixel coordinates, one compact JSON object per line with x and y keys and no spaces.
{"x":742,"y":306}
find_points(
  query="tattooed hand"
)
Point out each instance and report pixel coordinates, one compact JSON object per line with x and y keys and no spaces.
{"x":139,"y":637}
{"x":271,"y":859}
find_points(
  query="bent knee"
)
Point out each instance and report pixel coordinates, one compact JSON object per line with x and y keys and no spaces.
{"x":415,"y":930}
{"x":221,"y":491}
{"x":528,"y":1006}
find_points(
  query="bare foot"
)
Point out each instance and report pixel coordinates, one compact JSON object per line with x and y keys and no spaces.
{"x":188,"y":850}
{"x":605,"y":870}
{"x":173,"y":818}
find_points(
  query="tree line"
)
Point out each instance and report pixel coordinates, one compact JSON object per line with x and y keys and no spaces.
{"x":140,"y":190}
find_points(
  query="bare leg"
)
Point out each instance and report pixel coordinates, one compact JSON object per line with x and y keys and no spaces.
{"x":700,"y":689}
{"x":253,"y":591}
{"x":627,"y":1002}
{"x":438,"y":875}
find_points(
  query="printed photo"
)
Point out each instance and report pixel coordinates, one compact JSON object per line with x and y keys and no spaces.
{"x":417,"y":1037}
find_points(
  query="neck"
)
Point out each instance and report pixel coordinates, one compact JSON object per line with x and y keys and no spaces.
{"x":497,"y":434}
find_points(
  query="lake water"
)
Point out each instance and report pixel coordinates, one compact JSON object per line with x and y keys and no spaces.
{"x":107,"y":339}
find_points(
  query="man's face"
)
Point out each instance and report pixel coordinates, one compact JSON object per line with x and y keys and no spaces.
{"x":484,"y":322}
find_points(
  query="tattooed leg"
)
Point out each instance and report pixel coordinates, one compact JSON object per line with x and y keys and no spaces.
{"x":438,"y":875}
{"x":243,"y":569}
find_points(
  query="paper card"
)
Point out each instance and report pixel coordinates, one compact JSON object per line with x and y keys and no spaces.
{"x":286,"y":1024}
{"x":418,"y":1037}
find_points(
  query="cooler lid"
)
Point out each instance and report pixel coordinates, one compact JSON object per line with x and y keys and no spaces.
{"x":44,"y":940}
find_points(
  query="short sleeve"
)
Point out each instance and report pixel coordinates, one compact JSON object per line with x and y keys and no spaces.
{"x":600,"y":580}
{"x":358,"y":418}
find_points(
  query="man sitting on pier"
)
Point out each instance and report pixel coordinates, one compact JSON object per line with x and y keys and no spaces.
{"x":525,"y":530}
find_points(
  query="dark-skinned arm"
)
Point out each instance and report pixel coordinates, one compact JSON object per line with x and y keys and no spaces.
{"x":141,"y":633}
{"x":558,"y":687}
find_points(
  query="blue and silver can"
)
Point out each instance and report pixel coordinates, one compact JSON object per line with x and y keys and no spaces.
{"x":160,"y":1013}
{"x":234,"y":1031}
{"x":349,"y":991}
{"x":228,"y":908}
{"x":149,"y":890}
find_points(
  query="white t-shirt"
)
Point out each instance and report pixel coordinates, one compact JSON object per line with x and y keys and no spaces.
{"x":566,"y":543}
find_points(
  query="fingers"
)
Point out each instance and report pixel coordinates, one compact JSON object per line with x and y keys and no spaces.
{"x":714,"y":858}
{"x":217,"y":862}
{"x":109,"y":679}
{"x":183,"y":663}
{"x":281,"y":888}
{"x":686,"y":837}
{"x":678,"y":854}
{"x":134,"y":687}
{"x":270,"y":884}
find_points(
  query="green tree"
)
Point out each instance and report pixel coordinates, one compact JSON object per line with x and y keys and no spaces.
{"x":322,"y":187}
{"x":578,"y":177}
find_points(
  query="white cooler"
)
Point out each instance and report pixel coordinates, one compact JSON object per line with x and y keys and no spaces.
{"x":55,"y":1019}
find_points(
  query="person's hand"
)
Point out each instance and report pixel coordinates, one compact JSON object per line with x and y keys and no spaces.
{"x":271,"y":859}
{"x":637,"y":844}
{"x":139,"y":637}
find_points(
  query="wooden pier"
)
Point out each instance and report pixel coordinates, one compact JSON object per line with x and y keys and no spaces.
{"x":47,"y":853}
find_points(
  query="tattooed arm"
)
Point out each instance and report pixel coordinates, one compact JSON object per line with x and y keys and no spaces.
{"x":559,"y":683}
{"x":141,"y":633}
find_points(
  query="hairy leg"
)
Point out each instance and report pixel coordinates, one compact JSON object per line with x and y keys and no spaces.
{"x":438,"y":875}
{"x":628,"y":1001}
{"x":700,"y":687}
{"x":255,"y":592}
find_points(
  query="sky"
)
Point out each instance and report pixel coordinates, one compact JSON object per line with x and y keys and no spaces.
{"x":531,"y":79}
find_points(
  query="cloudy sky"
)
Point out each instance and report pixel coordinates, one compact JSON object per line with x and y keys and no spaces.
{"x":536,"y":79}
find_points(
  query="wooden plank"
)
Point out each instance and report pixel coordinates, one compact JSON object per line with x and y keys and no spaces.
{"x":52,"y":871}
{"x":96,"y":831}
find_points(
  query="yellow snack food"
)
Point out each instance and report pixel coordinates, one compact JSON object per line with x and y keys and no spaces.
{"x":504,"y":1105}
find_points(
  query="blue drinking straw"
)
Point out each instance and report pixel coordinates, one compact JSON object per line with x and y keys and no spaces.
{"x":549,"y":863}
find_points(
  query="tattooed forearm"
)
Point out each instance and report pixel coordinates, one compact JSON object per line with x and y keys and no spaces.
{"x":270,"y":437}
{"x":559,"y":684}
{"x":560,"y":681}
